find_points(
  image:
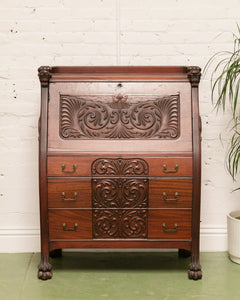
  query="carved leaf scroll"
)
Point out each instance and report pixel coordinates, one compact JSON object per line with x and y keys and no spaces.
{"x":84,"y":118}
{"x":120,"y":193}
{"x":119,"y":223}
{"x":119,"y":167}
{"x":120,"y":198}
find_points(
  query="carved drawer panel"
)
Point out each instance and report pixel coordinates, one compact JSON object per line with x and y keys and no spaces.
{"x":70,"y":193}
{"x":120,"y":223}
{"x":70,"y":224}
{"x":169,"y":224}
{"x":75,"y":166}
{"x":170,"y":193}
{"x":120,"y":193}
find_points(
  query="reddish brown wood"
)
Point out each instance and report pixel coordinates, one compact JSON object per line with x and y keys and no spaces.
{"x":44,"y":268}
{"x":83,"y":165}
{"x":177,"y":224}
{"x":57,"y":219}
{"x":170,"y":193}
{"x":195,"y":271}
{"x":86,"y":113}
{"x":120,"y":244}
{"x":125,"y":154}
{"x":56,"y":188}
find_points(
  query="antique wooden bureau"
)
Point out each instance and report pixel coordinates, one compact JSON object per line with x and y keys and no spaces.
{"x":119,"y":160}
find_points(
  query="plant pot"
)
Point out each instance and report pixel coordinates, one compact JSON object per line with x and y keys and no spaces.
{"x":233,"y":225}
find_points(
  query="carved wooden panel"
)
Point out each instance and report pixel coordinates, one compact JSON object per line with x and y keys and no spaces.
{"x":120,"y":193}
{"x":119,"y":223}
{"x":88,"y":118}
{"x":120,"y":198}
{"x":119,"y":167}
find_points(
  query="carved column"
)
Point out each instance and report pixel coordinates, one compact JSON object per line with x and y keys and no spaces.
{"x":44,"y":268}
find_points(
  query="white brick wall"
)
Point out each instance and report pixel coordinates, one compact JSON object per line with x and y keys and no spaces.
{"x":103,"y":32}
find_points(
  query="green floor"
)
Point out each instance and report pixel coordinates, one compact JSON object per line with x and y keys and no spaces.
{"x":114,"y":275}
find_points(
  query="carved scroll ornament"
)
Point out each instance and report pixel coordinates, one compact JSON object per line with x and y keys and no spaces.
{"x":83,"y":118}
{"x":120,"y":166}
{"x":119,"y":223}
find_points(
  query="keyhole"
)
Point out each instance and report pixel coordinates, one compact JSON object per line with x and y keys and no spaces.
{"x":119,"y":85}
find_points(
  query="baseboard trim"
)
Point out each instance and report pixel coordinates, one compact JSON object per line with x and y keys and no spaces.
{"x":212,"y":238}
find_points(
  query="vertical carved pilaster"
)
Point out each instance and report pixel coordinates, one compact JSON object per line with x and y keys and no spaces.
{"x":194,"y":75}
{"x":44,"y":74}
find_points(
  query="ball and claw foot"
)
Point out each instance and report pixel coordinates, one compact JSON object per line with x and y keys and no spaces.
{"x":44,"y":271}
{"x":194,"y":271}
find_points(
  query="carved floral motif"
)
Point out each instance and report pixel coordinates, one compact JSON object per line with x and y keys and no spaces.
{"x":83,"y":118}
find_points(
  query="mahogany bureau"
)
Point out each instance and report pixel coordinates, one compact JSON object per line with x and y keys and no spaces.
{"x":119,"y":160}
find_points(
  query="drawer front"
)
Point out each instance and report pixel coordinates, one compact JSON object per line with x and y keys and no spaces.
{"x":169,"y":224}
{"x":74,"y":166}
{"x":70,"y":224}
{"x":69,"y":193}
{"x":170,"y":193}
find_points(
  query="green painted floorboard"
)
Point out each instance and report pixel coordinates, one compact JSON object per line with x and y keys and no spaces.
{"x":119,"y":276}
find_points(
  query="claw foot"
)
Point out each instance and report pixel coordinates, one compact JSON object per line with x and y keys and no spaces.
{"x":194,"y":271}
{"x":44,"y":271}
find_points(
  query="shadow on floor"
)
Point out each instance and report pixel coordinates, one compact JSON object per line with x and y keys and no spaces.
{"x":120,"y":261}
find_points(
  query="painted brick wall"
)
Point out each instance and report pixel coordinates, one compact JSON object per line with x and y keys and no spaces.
{"x":104,"y":32}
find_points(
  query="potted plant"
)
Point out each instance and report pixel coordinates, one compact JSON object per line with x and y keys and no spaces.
{"x":225,"y":79}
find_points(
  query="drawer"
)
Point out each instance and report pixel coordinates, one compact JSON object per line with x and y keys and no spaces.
{"x":73,"y":166}
{"x":170,"y":193}
{"x":70,"y":224}
{"x":69,"y":193}
{"x":169,"y":224}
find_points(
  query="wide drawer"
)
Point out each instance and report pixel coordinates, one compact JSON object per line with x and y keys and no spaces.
{"x":70,"y":224}
{"x":169,"y":224}
{"x":75,"y":166}
{"x":69,"y":193}
{"x":170,"y":193}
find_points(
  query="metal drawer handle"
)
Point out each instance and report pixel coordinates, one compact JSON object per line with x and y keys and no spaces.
{"x":69,"y":172}
{"x":170,"y":230}
{"x":64,"y":225}
{"x":170,"y":171}
{"x":69,"y":199}
{"x":174,"y":199}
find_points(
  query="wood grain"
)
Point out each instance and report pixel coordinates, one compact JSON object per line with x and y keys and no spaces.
{"x":57,"y":186}
{"x":83,"y":165}
{"x":183,"y":188}
{"x":83,"y":219}
{"x":156,"y":219}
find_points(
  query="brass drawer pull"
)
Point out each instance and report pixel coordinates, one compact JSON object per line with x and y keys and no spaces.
{"x":170,"y":171}
{"x":170,"y":230}
{"x":174,"y":199}
{"x":69,"y":199}
{"x":64,"y":225}
{"x":69,"y":172}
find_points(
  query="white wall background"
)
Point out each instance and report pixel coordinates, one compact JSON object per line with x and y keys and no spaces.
{"x":104,"y":32}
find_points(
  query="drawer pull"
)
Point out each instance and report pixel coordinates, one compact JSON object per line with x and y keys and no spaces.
{"x":64,"y":225}
{"x":174,"y":199}
{"x":69,"y":172}
{"x":170,"y":171}
{"x":69,"y":199}
{"x":170,"y":230}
